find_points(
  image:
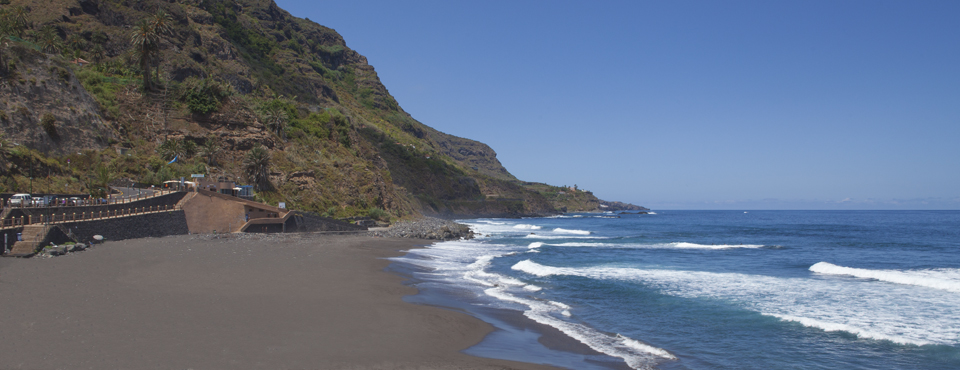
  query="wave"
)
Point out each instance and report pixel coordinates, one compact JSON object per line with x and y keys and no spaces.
{"x":859,"y":332}
{"x":680,"y":245}
{"x":526,"y":227}
{"x":943,"y":279}
{"x":651,"y":213}
{"x":898,"y":313}
{"x":636,"y":354}
{"x":464,"y":264}
{"x":574,"y":232}
{"x":549,"y":237}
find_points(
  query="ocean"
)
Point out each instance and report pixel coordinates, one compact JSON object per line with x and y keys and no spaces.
{"x":709,"y":289}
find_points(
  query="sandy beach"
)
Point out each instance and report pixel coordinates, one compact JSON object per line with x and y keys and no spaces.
{"x":252,"y":302}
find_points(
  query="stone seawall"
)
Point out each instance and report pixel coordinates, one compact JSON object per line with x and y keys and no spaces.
{"x":306,"y":222}
{"x":130,"y":227}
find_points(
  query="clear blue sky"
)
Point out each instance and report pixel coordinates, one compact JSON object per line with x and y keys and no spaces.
{"x":685,"y":104}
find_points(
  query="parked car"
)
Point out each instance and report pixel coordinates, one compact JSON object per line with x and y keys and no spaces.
{"x":21,"y":200}
{"x":74,"y":201}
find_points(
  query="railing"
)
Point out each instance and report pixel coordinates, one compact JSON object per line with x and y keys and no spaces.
{"x":97,"y":202}
{"x":84,"y":216}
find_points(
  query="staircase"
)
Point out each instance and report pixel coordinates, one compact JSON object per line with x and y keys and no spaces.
{"x":32,"y":236}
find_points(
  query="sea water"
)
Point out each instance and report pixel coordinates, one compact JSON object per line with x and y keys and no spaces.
{"x":715,"y":289}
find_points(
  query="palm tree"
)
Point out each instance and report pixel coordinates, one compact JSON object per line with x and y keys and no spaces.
{"x":20,"y":23}
{"x":99,"y":181}
{"x":210,"y":149}
{"x":276,"y":120}
{"x":173,"y":148}
{"x":98,"y":54}
{"x":257,"y":167}
{"x":50,"y":41}
{"x":76,"y":42}
{"x":160,"y":22}
{"x":145,"y":39}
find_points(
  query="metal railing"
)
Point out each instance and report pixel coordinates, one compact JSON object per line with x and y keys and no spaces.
{"x":84,"y":216}
{"x":95,"y":202}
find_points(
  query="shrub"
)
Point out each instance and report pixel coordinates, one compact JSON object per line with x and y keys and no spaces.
{"x":49,"y":124}
{"x":203,"y":95}
{"x":378,"y":214}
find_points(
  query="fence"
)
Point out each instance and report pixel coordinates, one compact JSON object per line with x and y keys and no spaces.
{"x":95,"y":202}
{"x":84,"y":216}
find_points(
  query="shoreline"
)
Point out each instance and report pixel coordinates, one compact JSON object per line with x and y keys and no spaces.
{"x":318,"y":301}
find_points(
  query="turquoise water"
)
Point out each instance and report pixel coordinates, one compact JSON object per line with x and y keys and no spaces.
{"x":716,"y":289}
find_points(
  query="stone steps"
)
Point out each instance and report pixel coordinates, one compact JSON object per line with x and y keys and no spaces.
{"x":32,"y":235}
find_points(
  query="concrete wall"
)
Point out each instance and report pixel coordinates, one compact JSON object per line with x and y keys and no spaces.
{"x":206,"y":214}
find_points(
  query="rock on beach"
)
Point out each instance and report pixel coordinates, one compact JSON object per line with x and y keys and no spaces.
{"x":427,"y":228}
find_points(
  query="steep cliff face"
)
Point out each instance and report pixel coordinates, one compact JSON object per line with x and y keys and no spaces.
{"x":43,"y":106}
{"x":225,"y":77}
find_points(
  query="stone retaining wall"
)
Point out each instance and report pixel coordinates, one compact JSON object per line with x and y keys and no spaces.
{"x":129,"y":227}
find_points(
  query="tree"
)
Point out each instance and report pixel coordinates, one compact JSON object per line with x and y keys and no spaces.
{"x":98,"y":54}
{"x":173,"y":148}
{"x":49,"y":40}
{"x":275,"y":118}
{"x":160,"y":22}
{"x":76,"y":42}
{"x":257,"y":167}
{"x":145,"y":39}
{"x":210,"y":149}
{"x":19,"y":21}
{"x":99,"y":181}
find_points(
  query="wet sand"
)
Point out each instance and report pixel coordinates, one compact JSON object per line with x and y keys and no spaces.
{"x":257,"y":302}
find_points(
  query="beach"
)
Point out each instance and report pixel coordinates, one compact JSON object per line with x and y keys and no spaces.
{"x":292,"y":301}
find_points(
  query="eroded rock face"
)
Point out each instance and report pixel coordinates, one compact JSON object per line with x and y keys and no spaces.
{"x":49,"y":91}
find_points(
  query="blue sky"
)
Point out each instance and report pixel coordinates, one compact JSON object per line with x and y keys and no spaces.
{"x":685,"y":104}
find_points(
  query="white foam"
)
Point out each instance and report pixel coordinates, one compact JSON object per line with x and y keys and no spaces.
{"x":532,"y":288}
{"x":859,"y":332}
{"x":943,"y":279}
{"x":680,"y":245}
{"x":535,"y":245}
{"x":651,"y":213}
{"x":547,"y":313}
{"x":645,"y":347}
{"x":527,"y":227}
{"x":898,"y":313}
{"x":549,"y":237}
{"x":574,"y":232}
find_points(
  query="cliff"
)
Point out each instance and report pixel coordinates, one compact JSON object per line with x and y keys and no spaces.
{"x":204,"y":83}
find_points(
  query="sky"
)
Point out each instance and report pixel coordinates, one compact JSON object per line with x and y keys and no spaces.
{"x":685,"y":104}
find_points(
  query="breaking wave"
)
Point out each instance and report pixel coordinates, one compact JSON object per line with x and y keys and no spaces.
{"x":943,"y":279}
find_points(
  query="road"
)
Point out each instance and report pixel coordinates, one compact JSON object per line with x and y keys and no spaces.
{"x":131,"y":193}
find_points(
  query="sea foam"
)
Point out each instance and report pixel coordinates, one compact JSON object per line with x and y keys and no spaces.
{"x":573,"y":232}
{"x":943,"y":279}
{"x":861,"y":308}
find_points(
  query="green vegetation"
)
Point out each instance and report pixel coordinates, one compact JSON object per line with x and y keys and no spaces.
{"x":203,"y":96}
{"x":49,"y":124}
{"x":257,"y":167}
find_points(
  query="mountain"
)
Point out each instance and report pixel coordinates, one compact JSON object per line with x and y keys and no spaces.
{"x":155,"y":90}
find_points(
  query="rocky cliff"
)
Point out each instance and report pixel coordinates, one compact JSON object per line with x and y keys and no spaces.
{"x":154,"y":90}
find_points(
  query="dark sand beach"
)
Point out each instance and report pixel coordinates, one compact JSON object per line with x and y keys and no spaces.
{"x":239,"y":302}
